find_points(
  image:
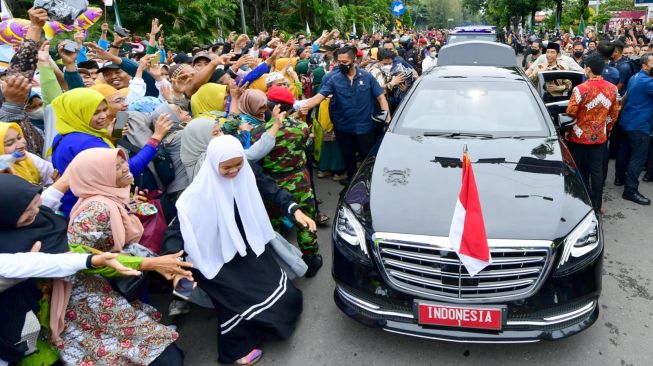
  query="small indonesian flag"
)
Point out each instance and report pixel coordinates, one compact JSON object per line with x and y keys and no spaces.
{"x":467,"y":234}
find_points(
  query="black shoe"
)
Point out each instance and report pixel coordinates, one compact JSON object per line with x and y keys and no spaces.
{"x":619,"y":182}
{"x":636,"y":197}
{"x":647,"y":178}
{"x":314,"y":263}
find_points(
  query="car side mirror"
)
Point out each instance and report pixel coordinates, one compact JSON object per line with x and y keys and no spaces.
{"x":565,"y":121}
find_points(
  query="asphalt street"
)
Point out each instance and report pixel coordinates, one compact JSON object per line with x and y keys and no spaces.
{"x":325,"y":336}
{"x":622,"y":336}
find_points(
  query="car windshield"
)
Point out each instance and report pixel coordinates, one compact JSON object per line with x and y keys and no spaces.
{"x":464,"y":37}
{"x":492,"y":109}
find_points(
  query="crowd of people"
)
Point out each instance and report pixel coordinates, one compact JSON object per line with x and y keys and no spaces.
{"x":613,"y":107}
{"x":126,"y":165}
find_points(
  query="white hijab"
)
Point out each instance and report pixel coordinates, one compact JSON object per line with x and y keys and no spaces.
{"x":207,"y":216}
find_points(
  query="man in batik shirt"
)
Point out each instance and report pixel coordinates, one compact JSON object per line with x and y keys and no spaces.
{"x":594,"y":104}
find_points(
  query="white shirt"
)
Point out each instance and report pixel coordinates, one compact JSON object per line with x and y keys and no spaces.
{"x":568,"y":61}
{"x":428,"y":62}
{"x":44,"y":167}
{"x":136,"y":90}
{"x":36,"y":264}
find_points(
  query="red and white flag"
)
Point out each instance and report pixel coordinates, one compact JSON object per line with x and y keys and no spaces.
{"x":467,"y":233}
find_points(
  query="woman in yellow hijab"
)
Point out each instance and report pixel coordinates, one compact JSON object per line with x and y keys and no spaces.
{"x":27,"y":166}
{"x":81,"y":118}
{"x":209,"y":101}
{"x":82,"y":110}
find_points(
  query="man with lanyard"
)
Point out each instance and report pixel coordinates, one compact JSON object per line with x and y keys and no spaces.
{"x":354,"y":95}
{"x":635,"y":122}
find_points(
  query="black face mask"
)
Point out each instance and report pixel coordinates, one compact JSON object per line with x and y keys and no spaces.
{"x":535,"y":51}
{"x":578,"y":54}
{"x":345,"y":68}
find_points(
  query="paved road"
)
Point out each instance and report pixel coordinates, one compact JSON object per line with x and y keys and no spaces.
{"x":325,"y":336}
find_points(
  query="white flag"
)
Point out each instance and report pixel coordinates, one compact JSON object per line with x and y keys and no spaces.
{"x":353,"y":28}
{"x":308,"y":30}
{"x":108,"y":2}
{"x":6,"y":13}
{"x":571,"y":32}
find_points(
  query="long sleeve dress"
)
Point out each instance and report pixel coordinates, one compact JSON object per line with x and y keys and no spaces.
{"x":102,"y":327}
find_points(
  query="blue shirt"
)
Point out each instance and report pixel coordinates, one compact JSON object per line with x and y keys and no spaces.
{"x":637,"y":113}
{"x":625,"y":73}
{"x":353,"y":102}
{"x":609,"y":74}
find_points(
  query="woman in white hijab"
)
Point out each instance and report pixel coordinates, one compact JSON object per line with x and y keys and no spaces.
{"x":226,"y":229}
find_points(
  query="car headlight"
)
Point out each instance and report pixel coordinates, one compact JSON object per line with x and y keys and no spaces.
{"x":581,"y":246}
{"x":349,"y":229}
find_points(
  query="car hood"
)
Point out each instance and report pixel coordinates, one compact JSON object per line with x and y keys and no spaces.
{"x":532,"y":195}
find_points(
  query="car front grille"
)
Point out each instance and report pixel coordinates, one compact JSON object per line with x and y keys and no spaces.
{"x":428,"y":267}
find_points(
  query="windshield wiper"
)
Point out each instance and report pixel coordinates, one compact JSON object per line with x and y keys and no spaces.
{"x":458,"y":134}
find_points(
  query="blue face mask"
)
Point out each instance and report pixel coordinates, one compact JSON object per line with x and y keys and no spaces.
{"x":249,"y":119}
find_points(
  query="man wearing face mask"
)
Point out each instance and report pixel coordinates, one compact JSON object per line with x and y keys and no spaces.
{"x":34,"y":110}
{"x":394,"y":84}
{"x":354,"y":95}
{"x":532,"y":54}
{"x":578,"y":53}
{"x":430,"y":58}
{"x":635,"y":121}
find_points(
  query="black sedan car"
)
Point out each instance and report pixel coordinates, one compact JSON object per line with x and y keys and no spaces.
{"x":393,"y":265}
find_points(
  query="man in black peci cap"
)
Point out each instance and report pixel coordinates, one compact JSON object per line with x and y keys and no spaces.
{"x":558,"y":87}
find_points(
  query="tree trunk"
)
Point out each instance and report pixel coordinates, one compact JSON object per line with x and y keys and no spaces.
{"x":558,"y":12}
{"x":533,"y":11}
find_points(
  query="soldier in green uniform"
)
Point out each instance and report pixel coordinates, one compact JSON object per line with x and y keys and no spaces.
{"x":286,"y":163}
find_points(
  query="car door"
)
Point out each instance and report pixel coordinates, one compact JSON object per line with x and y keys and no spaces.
{"x":557,"y":104}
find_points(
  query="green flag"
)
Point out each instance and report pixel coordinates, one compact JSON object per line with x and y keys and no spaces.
{"x":581,"y":26}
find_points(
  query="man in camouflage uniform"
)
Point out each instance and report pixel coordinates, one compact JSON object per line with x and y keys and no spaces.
{"x":286,"y":163}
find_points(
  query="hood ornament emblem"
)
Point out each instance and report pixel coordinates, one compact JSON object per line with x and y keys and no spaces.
{"x":396,"y":176}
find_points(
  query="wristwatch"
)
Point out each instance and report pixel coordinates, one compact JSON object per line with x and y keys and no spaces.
{"x":114,"y":46}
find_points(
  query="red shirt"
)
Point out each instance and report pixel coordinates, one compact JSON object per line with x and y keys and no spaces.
{"x":594,"y":104}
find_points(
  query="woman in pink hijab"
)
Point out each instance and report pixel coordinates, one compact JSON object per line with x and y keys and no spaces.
{"x":100,"y":324}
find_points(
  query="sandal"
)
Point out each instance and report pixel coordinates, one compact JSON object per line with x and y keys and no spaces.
{"x":253,"y":357}
{"x":322,"y":219}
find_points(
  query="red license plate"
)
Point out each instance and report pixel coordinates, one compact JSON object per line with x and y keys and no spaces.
{"x":460,"y":316}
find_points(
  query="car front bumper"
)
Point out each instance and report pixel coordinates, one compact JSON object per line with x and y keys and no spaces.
{"x":557,"y":324}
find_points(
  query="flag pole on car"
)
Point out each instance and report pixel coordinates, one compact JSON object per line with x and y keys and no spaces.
{"x":467,"y":233}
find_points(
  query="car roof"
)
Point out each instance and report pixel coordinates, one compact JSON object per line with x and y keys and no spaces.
{"x":473,"y":29}
{"x":474,"y":73}
{"x":477,"y":53}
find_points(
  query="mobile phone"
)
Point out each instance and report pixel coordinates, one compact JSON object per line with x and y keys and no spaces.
{"x":184,"y":289}
{"x":155,"y":59}
{"x":121,"y":121}
{"x":69,"y":46}
{"x":120,"y":31}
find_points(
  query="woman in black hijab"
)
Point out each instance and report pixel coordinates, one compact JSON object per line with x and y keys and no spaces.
{"x":22,"y":223}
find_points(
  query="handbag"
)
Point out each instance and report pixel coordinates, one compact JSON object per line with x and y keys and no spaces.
{"x":288,"y":256}
{"x":155,"y":225}
{"x":132,"y":287}
{"x":163,"y":166}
